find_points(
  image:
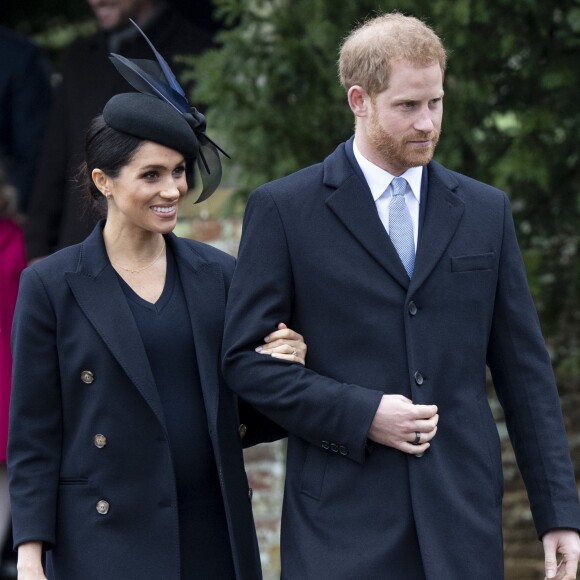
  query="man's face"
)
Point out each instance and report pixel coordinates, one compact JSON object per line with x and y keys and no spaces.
{"x":113,"y":13}
{"x":404,"y":121}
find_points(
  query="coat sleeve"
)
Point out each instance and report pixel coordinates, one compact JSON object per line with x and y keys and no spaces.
{"x":34,"y":441}
{"x":524,"y":381}
{"x":258,"y":428}
{"x":324,"y":412}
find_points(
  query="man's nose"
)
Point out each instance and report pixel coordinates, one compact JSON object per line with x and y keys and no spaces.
{"x":425,"y":122}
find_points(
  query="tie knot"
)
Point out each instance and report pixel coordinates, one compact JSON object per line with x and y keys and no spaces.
{"x":399,"y":185}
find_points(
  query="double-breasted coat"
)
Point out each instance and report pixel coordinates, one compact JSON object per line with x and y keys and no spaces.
{"x":315,"y":252}
{"x":89,"y":459}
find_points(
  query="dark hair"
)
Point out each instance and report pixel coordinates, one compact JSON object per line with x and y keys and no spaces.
{"x":108,"y":150}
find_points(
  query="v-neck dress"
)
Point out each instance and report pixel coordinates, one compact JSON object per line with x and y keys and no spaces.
{"x":167,"y":335}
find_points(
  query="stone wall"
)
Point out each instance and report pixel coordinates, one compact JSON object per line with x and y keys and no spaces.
{"x":265,"y":463}
{"x":265,"y":469}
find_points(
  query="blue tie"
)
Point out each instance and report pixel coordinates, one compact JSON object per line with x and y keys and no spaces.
{"x":401,"y":225}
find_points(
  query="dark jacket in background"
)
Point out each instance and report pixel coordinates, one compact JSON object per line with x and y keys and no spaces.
{"x":25,"y":95}
{"x":58,"y":216}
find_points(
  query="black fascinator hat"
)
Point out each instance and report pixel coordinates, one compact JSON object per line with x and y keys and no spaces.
{"x":160,"y":112}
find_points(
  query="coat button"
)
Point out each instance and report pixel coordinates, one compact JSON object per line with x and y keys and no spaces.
{"x":103,"y":507}
{"x":99,"y":440}
{"x":343,"y":450}
{"x":412,"y":308}
{"x":334,"y":447}
{"x":250,"y":493}
{"x":325,"y":445}
{"x":242,"y":430}
{"x":419,"y":378}
{"x":87,"y":377}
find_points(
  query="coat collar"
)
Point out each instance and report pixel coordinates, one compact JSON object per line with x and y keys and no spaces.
{"x":97,"y":290}
{"x":352,"y":203}
{"x":443,"y":213}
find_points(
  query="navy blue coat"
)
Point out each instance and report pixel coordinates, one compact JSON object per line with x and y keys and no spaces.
{"x":71,"y":317}
{"x":314,"y":252}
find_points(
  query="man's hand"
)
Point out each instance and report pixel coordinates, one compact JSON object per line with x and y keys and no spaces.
{"x":567,"y":544}
{"x":398,"y":422}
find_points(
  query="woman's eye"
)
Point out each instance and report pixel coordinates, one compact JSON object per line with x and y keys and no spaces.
{"x":151,"y":175}
{"x":179,"y":171}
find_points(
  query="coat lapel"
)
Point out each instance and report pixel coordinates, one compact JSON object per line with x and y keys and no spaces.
{"x":205,"y":294}
{"x":442,"y":216}
{"x":96,"y":289}
{"x":353,"y":205}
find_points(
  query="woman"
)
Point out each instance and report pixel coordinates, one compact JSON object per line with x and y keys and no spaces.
{"x":12,"y":262}
{"x":125,"y":449}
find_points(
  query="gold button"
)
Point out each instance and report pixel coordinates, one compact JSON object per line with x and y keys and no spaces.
{"x":100,"y":441}
{"x":242,"y":430}
{"x":87,"y":377}
{"x":103,"y":507}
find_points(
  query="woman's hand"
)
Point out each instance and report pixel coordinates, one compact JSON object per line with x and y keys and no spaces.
{"x":30,"y":561}
{"x":286,"y":344}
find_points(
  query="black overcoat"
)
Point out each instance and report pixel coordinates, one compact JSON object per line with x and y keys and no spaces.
{"x":87,"y":425}
{"x":315,"y":252}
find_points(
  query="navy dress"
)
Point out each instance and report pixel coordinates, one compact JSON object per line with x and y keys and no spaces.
{"x":169,"y":344}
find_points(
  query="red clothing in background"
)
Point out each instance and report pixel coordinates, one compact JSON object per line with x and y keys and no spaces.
{"x":12,"y":262}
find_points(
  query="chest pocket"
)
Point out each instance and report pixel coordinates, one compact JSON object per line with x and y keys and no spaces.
{"x":473,"y":262}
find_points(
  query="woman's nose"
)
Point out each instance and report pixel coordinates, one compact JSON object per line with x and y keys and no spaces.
{"x":171,"y":191}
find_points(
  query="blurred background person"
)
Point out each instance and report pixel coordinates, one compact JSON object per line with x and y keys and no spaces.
{"x":25,"y":98}
{"x":12,"y":262}
{"x":25,"y":95}
{"x":57,"y":216}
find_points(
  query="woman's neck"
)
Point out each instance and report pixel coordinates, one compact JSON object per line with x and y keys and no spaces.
{"x":132,"y":244}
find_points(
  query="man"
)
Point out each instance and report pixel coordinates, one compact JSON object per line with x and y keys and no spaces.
{"x":57,"y":215}
{"x":404,"y":291}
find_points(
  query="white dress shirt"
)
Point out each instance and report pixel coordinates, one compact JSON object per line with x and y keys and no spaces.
{"x":379,"y":180}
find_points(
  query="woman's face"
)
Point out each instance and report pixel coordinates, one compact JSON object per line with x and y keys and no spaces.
{"x":146,"y":192}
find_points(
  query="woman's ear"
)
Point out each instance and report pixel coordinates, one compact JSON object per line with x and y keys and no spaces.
{"x":101,"y":181}
{"x":358,"y":100}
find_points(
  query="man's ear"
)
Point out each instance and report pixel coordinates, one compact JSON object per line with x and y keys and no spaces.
{"x":358,"y":100}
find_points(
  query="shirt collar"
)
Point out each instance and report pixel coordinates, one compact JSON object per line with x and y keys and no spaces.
{"x":378,"y":179}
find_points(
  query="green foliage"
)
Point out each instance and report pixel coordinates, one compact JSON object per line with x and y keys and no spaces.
{"x":272,"y":87}
{"x":52,"y":24}
{"x":512,"y":116}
